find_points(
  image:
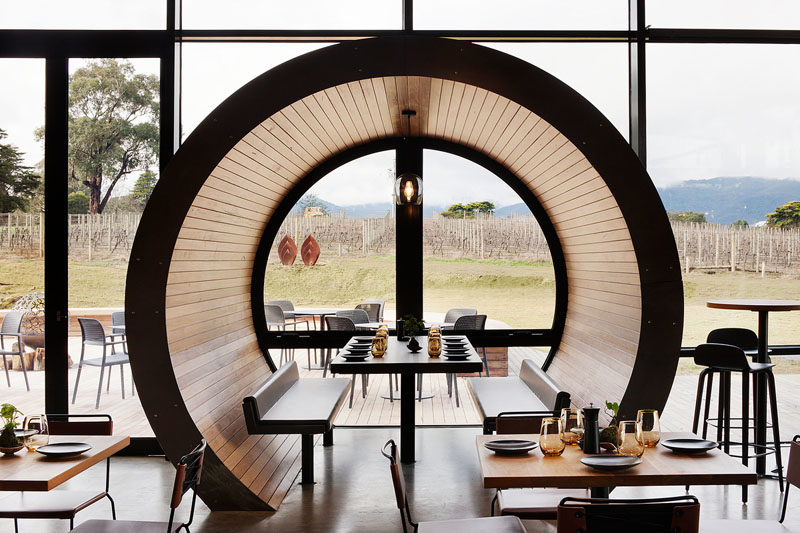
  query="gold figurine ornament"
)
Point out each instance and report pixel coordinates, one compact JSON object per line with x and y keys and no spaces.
{"x":434,"y":342}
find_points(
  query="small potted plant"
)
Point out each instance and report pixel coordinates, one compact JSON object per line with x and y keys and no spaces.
{"x":9,"y":442}
{"x":413,"y":326}
{"x":608,"y":434}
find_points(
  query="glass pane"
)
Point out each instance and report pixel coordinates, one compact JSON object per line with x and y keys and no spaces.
{"x":769,"y":14}
{"x":296,"y":15}
{"x":212,"y":71}
{"x":104,"y":215}
{"x":599,"y":71}
{"x":722,"y":139}
{"x":495,"y":261}
{"x":520,"y":15}
{"x":21,"y":202}
{"x":83,"y":15}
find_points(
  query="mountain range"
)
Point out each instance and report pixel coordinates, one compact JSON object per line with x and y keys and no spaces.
{"x":724,"y":200}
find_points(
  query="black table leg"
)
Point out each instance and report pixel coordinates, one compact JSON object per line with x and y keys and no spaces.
{"x":407,"y":417}
{"x":759,"y":394}
{"x":307,"y":461}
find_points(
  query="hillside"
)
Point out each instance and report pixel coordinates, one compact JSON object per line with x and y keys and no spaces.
{"x":726,"y":200}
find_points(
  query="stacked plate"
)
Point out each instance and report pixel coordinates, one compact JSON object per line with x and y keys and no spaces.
{"x":356,"y":351}
{"x":455,"y":347}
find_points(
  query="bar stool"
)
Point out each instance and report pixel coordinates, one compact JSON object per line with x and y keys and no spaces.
{"x":726,"y":358}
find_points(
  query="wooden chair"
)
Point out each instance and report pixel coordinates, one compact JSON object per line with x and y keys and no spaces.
{"x":187,"y":477}
{"x":93,"y":334}
{"x":595,"y":515}
{"x":10,"y":328}
{"x":763,"y":526}
{"x":61,"y":504}
{"x":499,"y":524}
{"x":529,"y":504}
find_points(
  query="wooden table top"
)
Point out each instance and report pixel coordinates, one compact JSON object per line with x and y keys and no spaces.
{"x":399,"y":359}
{"x":659,"y":467}
{"x":755,"y":305}
{"x":34,"y":471}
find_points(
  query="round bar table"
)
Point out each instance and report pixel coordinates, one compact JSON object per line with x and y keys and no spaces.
{"x":763,"y":307}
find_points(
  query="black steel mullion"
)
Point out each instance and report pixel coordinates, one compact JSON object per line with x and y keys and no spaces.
{"x":56,"y":317}
{"x":408,"y":15}
{"x":408,"y":237}
{"x":637,"y":83}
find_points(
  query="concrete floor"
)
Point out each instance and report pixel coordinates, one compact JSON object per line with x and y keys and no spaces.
{"x":354,"y":493}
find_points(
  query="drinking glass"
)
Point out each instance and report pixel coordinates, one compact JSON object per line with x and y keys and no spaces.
{"x":35,"y":432}
{"x":647,"y":419}
{"x":630,"y":439}
{"x":572,"y":424}
{"x":551,"y":436}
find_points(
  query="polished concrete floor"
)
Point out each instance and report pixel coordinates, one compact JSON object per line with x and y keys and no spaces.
{"x":353,"y":492}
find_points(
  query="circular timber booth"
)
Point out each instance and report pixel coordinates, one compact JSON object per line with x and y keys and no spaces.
{"x":194,"y":301}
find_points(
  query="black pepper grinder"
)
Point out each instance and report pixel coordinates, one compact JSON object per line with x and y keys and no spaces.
{"x":591,"y":435}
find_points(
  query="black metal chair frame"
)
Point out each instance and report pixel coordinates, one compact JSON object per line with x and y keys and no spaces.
{"x":102,"y":339}
{"x":618,"y":511}
{"x":10,"y":328}
{"x":331,"y":323}
{"x":280,"y":304}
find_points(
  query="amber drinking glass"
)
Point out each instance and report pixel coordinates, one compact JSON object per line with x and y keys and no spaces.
{"x":572,"y":424}
{"x":35,"y":432}
{"x":630,"y":439}
{"x":551,"y":436}
{"x":647,"y":420}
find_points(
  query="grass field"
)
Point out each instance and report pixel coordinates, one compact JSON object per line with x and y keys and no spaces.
{"x":517,"y":293}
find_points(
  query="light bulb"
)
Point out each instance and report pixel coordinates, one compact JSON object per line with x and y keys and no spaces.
{"x":408,"y":191}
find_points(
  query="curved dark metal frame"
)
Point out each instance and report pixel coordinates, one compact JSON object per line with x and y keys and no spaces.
{"x":657,"y":257}
{"x":516,"y":337}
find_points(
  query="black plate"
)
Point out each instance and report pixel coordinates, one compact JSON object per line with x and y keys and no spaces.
{"x":356,"y":348}
{"x":20,"y":433}
{"x":511,"y":446}
{"x":689,"y":446}
{"x":362,"y":340}
{"x":448,"y":338}
{"x":64,"y":449}
{"x":355,"y":357}
{"x":455,"y":344}
{"x":456,"y":350}
{"x":611,"y":463}
{"x":457,"y":356}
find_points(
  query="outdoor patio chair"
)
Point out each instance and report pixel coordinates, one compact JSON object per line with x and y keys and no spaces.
{"x":276,"y":318}
{"x":462,"y":323}
{"x":340,"y":323}
{"x":380,"y":302}
{"x":61,"y":504}
{"x":590,"y":515}
{"x":9,"y":332}
{"x":93,"y":334}
{"x":117,"y":320}
{"x":357,"y":316}
{"x":528,"y":504}
{"x":500,"y":524}
{"x":453,"y":314}
{"x":763,"y":526}
{"x":187,"y":477}
{"x":373,"y":311}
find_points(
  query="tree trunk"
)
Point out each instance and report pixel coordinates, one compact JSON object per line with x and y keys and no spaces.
{"x":95,"y":184}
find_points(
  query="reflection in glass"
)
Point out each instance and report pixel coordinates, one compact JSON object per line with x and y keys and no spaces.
{"x":572,"y":424}
{"x":35,"y":432}
{"x":648,"y":423}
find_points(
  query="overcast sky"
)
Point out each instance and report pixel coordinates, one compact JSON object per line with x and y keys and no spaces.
{"x":713,"y":110}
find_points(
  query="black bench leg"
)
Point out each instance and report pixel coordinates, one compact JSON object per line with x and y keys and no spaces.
{"x":308,"y":459}
{"x":327,"y":438}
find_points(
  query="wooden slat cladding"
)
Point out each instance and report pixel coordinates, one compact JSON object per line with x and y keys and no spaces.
{"x":212,"y":341}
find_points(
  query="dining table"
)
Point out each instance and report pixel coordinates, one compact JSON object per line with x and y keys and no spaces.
{"x":32,"y":471}
{"x":398,"y":359}
{"x":313,"y":313}
{"x":659,"y":466}
{"x":763,"y":308}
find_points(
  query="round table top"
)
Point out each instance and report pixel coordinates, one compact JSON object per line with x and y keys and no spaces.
{"x":755,"y":305}
{"x":313,"y":311}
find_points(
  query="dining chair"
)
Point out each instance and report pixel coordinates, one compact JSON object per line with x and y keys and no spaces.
{"x":763,"y":526}
{"x":357,"y":316}
{"x":462,"y":323}
{"x":454,"y":314}
{"x":10,"y":328}
{"x":340,"y":323}
{"x":187,"y":476}
{"x":501,"y":524}
{"x":276,"y":318}
{"x":61,"y":504}
{"x":118,"y":328}
{"x":528,"y":504}
{"x":380,"y":302}
{"x":373,"y":311}
{"x":594,"y":515}
{"x":93,"y":334}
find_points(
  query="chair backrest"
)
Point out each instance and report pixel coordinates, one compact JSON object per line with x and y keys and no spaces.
{"x":548,"y":392}
{"x":469,"y":322}
{"x":373,"y":311}
{"x":339,"y":323}
{"x":72,"y":424}
{"x":285,"y":305}
{"x":11,"y":322}
{"x":792,"y":473}
{"x":259,"y":402}
{"x":515,"y":422}
{"x":380,"y":302}
{"x":453,"y":314}
{"x":399,"y":481}
{"x":745,"y":339}
{"x":118,"y":318}
{"x":723,"y":356}
{"x":187,"y":476}
{"x":358,"y":316}
{"x":677,"y":513}
{"x":274,"y":314}
{"x":92,"y":330}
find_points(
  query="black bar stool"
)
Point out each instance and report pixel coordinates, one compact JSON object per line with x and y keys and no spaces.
{"x":724,"y":359}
